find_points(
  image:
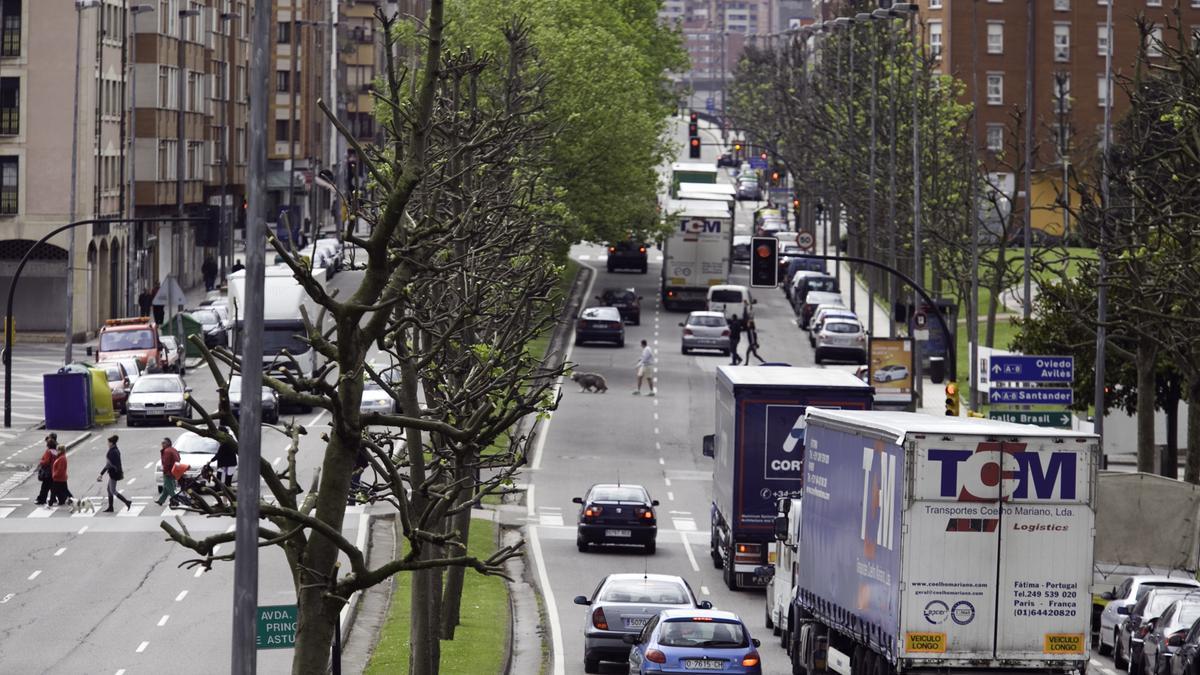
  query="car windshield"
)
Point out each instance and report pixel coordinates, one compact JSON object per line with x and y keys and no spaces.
{"x":646,"y":591}
{"x":618,"y":494}
{"x":113,"y":373}
{"x":124,"y":340}
{"x":620,"y":296}
{"x":205,"y":317}
{"x":726,"y":296}
{"x":191,"y":444}
{"x":372,"y":385}
{"x":825,"y":284}
{"x":157,"y":385}
{"x":692,"y":633}
{"x":842,"y":327}
{"x":710,"y":321}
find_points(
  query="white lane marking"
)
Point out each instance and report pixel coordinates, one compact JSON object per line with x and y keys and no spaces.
{"x":657,"y":444}
{"x":34,"y":575}
{"x":142,"y":647}
{"x":556,"y":641}
{"x":199,"y":571}
{"x":688,"y":547}
{"x":60,"y":551}
{"x":216,"y":549}
{"x":130,"y":481}
{"x":656,"y":431}
{"x":662,"y":461}
{"x":684,"y":524}
{"x":163,"y":621}
{"x":670,"y":495}
{"x":120,"y":672}
{"x":148,"y":465}
{"x":4,"y":511}
{"x":656,"y":415}
{"x":704,"y":590}
{"x":667,"y":481}
{"x":181,"y":596}
{"x":82,"y":529}
{"x":132,"y":512}
{"x":41,"y":512}
{"x":316,"y":418}
{"x":231,"y":528}
{"x":551,"y":519}
{"x":276,"y":461}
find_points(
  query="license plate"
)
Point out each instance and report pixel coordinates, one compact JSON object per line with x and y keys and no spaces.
{"x":636,"y":621}
{"x":703,"y":664}
{"x":618,"y":533}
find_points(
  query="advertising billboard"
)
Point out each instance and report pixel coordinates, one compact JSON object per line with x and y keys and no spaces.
{"x":891,"y":369}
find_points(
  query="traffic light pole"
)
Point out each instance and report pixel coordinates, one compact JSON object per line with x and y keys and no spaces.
{"x":951,"y":347}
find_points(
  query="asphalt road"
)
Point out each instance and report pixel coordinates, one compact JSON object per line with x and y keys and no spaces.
{"x":105,"y":593}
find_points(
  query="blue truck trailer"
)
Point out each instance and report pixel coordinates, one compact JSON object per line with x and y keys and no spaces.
{"x":933,"y":544}
{"x":758,"y":453}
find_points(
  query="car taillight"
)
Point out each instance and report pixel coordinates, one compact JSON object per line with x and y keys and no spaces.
{"x":641,"y":249}
{"x":598,"y":619}
{"x":748,"y":553}
{"x":612,"y":249}
{"x":687,"y":331}
{"x":592,"y":511}
{"x":725,"y":333}
{"x":616,"y":324}
{"x":750,"y":659}
{"x":1143,"y":629}
{"x":646,"y":514}
{"x":655,"y":656}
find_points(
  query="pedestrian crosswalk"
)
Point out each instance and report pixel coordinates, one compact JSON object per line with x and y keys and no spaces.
{"x":143,"y":507}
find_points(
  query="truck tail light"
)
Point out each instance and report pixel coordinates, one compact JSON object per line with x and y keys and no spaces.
{"x":598,"y":619}
{"x":750,"y":659}
{"x":747,"y":553}
{"x":655,"y":656}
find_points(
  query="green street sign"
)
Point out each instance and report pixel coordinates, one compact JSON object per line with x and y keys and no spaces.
{"x":1056,"y":418}
{"x":277,"y":626}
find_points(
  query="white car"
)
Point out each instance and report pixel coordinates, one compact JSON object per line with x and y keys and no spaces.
{"x":1126,"y":595}
{"x":133,"y":369}
{"x":891,"y":373}
{"x":376,"y":400}
{"x":730,"y":300}
{"x":174,"y":359}
{"x":841,"y":339}
{"x":157,"y":398}
{"x":195,"y":451}
{"x":270,"y":401}
{"x":827,"y":311}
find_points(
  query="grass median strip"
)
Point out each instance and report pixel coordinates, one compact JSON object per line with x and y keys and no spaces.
{"x":478,"y":644}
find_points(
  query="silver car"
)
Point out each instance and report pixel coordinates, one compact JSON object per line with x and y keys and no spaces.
{"x":841,"y":339}
{"x":705,"y":330}
{"x":1126,"y":595}
{"x":156,"y":398}
{"x":376,"y":400}
{"x":824,"y":312}
{"x":270,"y":401}
{"x":621,"y":605}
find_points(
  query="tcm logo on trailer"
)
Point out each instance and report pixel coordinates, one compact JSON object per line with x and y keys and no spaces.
{"x":784,"y":456}
{"x":878,"y":499}
{"x":694,"y":228}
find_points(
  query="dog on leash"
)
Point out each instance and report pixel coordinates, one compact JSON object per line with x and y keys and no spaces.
{"x":82,"y":505}
{"x":592,"y":382}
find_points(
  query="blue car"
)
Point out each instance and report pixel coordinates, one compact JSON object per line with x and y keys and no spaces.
{"x":694,"y":640}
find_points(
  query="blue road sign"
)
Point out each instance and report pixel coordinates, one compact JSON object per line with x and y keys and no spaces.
{"x":1029,"y":396}
{"x":758,"y":163}
{"x":1032,"y":368}
{"x":710,"y":104}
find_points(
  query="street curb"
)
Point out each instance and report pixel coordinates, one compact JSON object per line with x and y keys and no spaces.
{"x":19,"y":480}
{"x":509,"y":632}
{"x":350,"y":611}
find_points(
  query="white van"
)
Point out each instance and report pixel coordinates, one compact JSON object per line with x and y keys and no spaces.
{"x":731,"y":300}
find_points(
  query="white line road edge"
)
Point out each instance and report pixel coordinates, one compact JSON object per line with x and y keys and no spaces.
{"x":687,"y":546}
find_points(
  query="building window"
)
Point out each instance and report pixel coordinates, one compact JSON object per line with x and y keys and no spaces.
{"x":1102,"y":90}
{"x":9,"y":176}
{"x":935,"y":39}
{"x":283,"y":80}
{"x":1154,"y":3}
{"x":283,"y":33}
{"x":10,"y":106}
{"x":995,"y":89}
{"x":1062,"y":42}
{"x":168,"y":94}
{"x":241,"y":83}
{"x":935,"y":4}
{"x":282,"y":131}
{"x":240,"y":145}
{"x":1062,"y":5}
{"x":221,"y":82}
{"x":995,"y":37}
{"x":995,"y":137}
{"x":195,"y":160}
{"x":1154,"y":42}
{"x":10,"y":32}
{"x":168,"y":17}
{"x":166,"y":159}
{"x":1102,"y":40}
{"x":1061,"y":99}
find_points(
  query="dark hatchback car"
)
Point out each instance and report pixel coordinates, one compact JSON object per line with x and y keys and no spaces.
{"x":627,"y":255}
{"x":616,"y":514}
{"x":1128,"y":651}
{"x":1168,"y":635}
{"x":1187,"y":657}
{"x":600,"y":324}
{"x":627,"y":302}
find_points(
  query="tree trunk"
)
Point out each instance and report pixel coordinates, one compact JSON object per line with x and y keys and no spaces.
{"x":423,"y":660}
{"x":1170,"y":467}
{"x":1144,"y":362}
{"x":1191,"y":472}
{"x":455,"y":576}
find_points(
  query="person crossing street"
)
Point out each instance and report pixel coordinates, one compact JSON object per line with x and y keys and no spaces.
{"x":644,"y":363}
{"x":169,"y":457}
{"x":116,"y":473}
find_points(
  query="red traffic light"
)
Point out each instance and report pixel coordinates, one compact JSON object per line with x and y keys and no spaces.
{"x":694,"y":117}
{"x":763,"y":251}
{"x":695,"y":142}
{"x":762,"y":155}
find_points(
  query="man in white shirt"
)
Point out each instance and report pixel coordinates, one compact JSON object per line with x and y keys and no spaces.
{"x":644,"y":363}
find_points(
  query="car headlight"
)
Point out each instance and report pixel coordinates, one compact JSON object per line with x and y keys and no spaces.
{"x":137,"y":405}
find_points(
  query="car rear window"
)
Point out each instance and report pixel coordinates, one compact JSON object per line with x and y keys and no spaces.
{"x":692,"y":633}
{"x":113,"y":373}
{"x":620,"y":296}
{"x":599,"y":313}
{"x":726,"y":296}
{"x":649,"y":591}
{"x":1187,"y":613}
{"x":842,"y":327}
{"x":618,"y":494}
{"x":710,"y":321}
{"x":1146,"y":588}
{"x":826,"y":284}
{"x":1159,"y":603}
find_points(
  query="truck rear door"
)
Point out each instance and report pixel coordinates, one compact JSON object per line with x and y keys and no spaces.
{"x":997,"y":552}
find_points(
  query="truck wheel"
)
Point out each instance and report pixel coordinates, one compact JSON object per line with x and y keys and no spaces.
{"x":713,"y":553}
{"x":767,"y":616}
{"x":727,"y":572}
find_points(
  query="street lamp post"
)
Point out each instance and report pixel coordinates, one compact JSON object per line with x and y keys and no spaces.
{"x":80,"y":5}
{"x":847,"y":23}
{"x":226,"y":219}
{"x":1101,"y":261}
{"x":865,"y":19}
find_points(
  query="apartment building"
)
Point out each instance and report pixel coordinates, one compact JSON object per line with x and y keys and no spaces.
{"x":984,"y":43}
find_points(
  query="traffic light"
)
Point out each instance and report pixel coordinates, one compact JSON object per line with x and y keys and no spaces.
{"x":693,"y":118}
{"x":694,"y":148}
{"x":737,"y":148}
{"x":693,"y":131}
{"x":796,"y":205}
{"x":763,"y":155}
{"x":952,"y":399}
{"x":775,"y":178}
{"x":764,"y":263}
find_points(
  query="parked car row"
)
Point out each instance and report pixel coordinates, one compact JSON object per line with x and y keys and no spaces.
{"x":1151,"y":625}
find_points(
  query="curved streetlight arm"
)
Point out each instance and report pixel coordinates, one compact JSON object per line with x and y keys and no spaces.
{"x":10,"y":324}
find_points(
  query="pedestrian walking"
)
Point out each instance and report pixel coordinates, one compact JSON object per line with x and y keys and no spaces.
{"x":159,"y":310}
{"x":644,"y":363}
{"x":237,"y":266}
{"x":169,"y":457}
{"x":751,"y":331}
{"x":227,"y":456}
{"x":116,"y":473}
{"x":44,"y":469}
{"x":145,"y":302}
{"x":735,"y":336}
{"x":209,"y":270}
{"x":58,"y":474}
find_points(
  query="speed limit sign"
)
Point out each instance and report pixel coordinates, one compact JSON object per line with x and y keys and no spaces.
{"x":805,"y":241}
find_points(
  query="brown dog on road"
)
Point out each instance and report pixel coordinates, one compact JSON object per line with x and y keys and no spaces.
{"x":590,"y":382}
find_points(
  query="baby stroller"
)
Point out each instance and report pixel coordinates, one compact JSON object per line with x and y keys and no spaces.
{"x":192,"y":489}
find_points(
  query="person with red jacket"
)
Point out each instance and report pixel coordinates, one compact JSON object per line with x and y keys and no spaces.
{"x":44,"y":469}
{"x":58,"y":474}
{"x":169,"y":456}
